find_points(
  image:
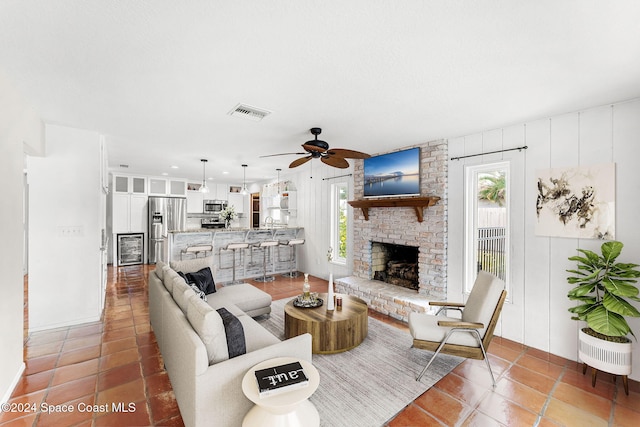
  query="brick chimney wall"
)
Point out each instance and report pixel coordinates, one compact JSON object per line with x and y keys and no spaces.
{"x":400,"y":225}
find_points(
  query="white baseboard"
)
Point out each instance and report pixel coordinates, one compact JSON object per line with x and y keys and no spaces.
{"x":14,"y":383}
{"x":75,"y":322}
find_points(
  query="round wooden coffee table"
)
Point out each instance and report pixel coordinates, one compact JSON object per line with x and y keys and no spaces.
{"x":333,"y":331}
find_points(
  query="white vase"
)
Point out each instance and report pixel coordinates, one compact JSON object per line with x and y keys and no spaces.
{"x":330,"y":302}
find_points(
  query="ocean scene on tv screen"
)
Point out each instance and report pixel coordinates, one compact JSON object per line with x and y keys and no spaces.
{"x":393,"y":174}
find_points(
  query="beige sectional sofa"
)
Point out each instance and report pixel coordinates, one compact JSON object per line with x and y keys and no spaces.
{"x":193,"y":343}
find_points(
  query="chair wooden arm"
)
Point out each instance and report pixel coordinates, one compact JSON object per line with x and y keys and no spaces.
{"x":460,"y":324}
{"x":447,"y":304}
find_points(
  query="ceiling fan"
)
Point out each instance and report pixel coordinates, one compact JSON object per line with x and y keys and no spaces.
{"x":316,"y":148}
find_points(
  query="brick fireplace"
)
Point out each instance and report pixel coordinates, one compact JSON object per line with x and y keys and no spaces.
{"x":399,"y":226}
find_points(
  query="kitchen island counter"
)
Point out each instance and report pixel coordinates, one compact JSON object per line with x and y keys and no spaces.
{"x":220,"y":230}
{"x":219,"y":238}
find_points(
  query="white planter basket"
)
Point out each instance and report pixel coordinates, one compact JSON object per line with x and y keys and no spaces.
{"x":606,"y":356}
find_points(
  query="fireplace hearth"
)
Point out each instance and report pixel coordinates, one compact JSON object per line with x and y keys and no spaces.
{"x":395,"y":264}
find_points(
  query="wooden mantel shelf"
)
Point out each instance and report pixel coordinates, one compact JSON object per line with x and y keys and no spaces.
{"x":417,"y":203}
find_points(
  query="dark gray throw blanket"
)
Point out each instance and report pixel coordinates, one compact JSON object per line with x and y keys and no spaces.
{"x":235,"y":333}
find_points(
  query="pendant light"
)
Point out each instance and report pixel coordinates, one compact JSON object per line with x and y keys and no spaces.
{"x":204,"y":188}
{"x":244,"y":191}
{"x":278,"y":181}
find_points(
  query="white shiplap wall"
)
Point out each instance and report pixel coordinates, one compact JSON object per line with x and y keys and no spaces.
{"x":313,"y":183}
{"x":537,"y":312}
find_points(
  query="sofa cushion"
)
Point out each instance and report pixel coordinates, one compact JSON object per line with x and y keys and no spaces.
{"x":168,"y":278}
{"x":191,"y":265}
{"x":217,"y":301}
{"x":159,"y":269}
{"x":207,"y":323}
{"x":181,"y":293}
{"x":256,"y":335}
{"x":247,"y":297}
{"x":236,"y":344}
{"x":202,"y":278}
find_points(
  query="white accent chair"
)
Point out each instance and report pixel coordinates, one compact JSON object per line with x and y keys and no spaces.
{"x":468,"y":336}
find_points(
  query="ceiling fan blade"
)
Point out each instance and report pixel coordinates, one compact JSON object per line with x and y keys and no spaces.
{"x":300,"y":161}
{"x":282,"y":154}
{"x":310,"y":147}
{"x":348,"y":154}
{"x":336,"y":162}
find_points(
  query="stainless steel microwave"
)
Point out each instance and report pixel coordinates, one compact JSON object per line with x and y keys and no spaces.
{"x":214,"y":206}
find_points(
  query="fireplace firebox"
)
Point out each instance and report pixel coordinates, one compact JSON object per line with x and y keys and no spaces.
{"x":395,"y":264}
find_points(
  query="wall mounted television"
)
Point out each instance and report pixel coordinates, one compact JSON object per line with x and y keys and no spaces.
{"x":393,"y":174}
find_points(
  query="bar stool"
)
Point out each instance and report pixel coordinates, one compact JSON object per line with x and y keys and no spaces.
{"x":291,"y":244}
{"x":265,"y":245}
{"x":233,"y":247}
{"x":195,"y":250}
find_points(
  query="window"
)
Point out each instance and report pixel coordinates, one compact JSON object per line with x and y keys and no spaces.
{"x":486,"y":221}
{"x":339,"y":194}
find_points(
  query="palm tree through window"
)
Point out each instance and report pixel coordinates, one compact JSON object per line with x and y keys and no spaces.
{"x":487,"y":221}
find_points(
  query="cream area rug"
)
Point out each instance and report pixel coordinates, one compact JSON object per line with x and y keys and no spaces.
{"x":370,"y":384}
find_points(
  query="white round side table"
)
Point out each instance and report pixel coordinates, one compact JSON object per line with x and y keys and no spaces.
{"x":290,"y":408}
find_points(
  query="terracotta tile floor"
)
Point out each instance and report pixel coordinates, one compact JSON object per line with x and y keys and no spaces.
{"x":116,"y":361}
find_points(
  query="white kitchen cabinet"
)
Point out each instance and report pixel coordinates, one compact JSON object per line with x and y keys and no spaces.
{"x":194,"y":202}
{"x":157,"y":187}
{"x":217,"y":192}
{"x":125,"y":184}
{"x":177,"y":188}
{"x":167,"y":187}
{"x":129,"y":213}
{"x":237,"y":200}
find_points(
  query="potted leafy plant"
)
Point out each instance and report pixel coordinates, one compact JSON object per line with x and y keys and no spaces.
{"x":603,"y":288}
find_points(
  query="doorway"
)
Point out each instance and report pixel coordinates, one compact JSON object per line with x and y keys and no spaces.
{"x":255,"y":210}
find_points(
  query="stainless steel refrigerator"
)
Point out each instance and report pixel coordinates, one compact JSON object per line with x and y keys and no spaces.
{"x":165,"y":214}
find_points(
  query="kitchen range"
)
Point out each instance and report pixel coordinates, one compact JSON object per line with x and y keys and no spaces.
{"x":213,"y":221}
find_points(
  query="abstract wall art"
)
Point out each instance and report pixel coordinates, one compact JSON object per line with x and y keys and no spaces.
{"x":577,"y":202}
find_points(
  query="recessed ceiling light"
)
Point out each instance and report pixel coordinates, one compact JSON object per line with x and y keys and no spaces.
{"x":225,"y":172}
{"x":165,"y":173}
{"x":174,"y":167}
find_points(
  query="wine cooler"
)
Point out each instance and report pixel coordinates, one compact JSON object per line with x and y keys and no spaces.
{"x":130,"y":249}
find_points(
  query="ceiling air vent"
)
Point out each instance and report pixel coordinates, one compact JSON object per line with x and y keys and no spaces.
{"x":249,"y":112}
